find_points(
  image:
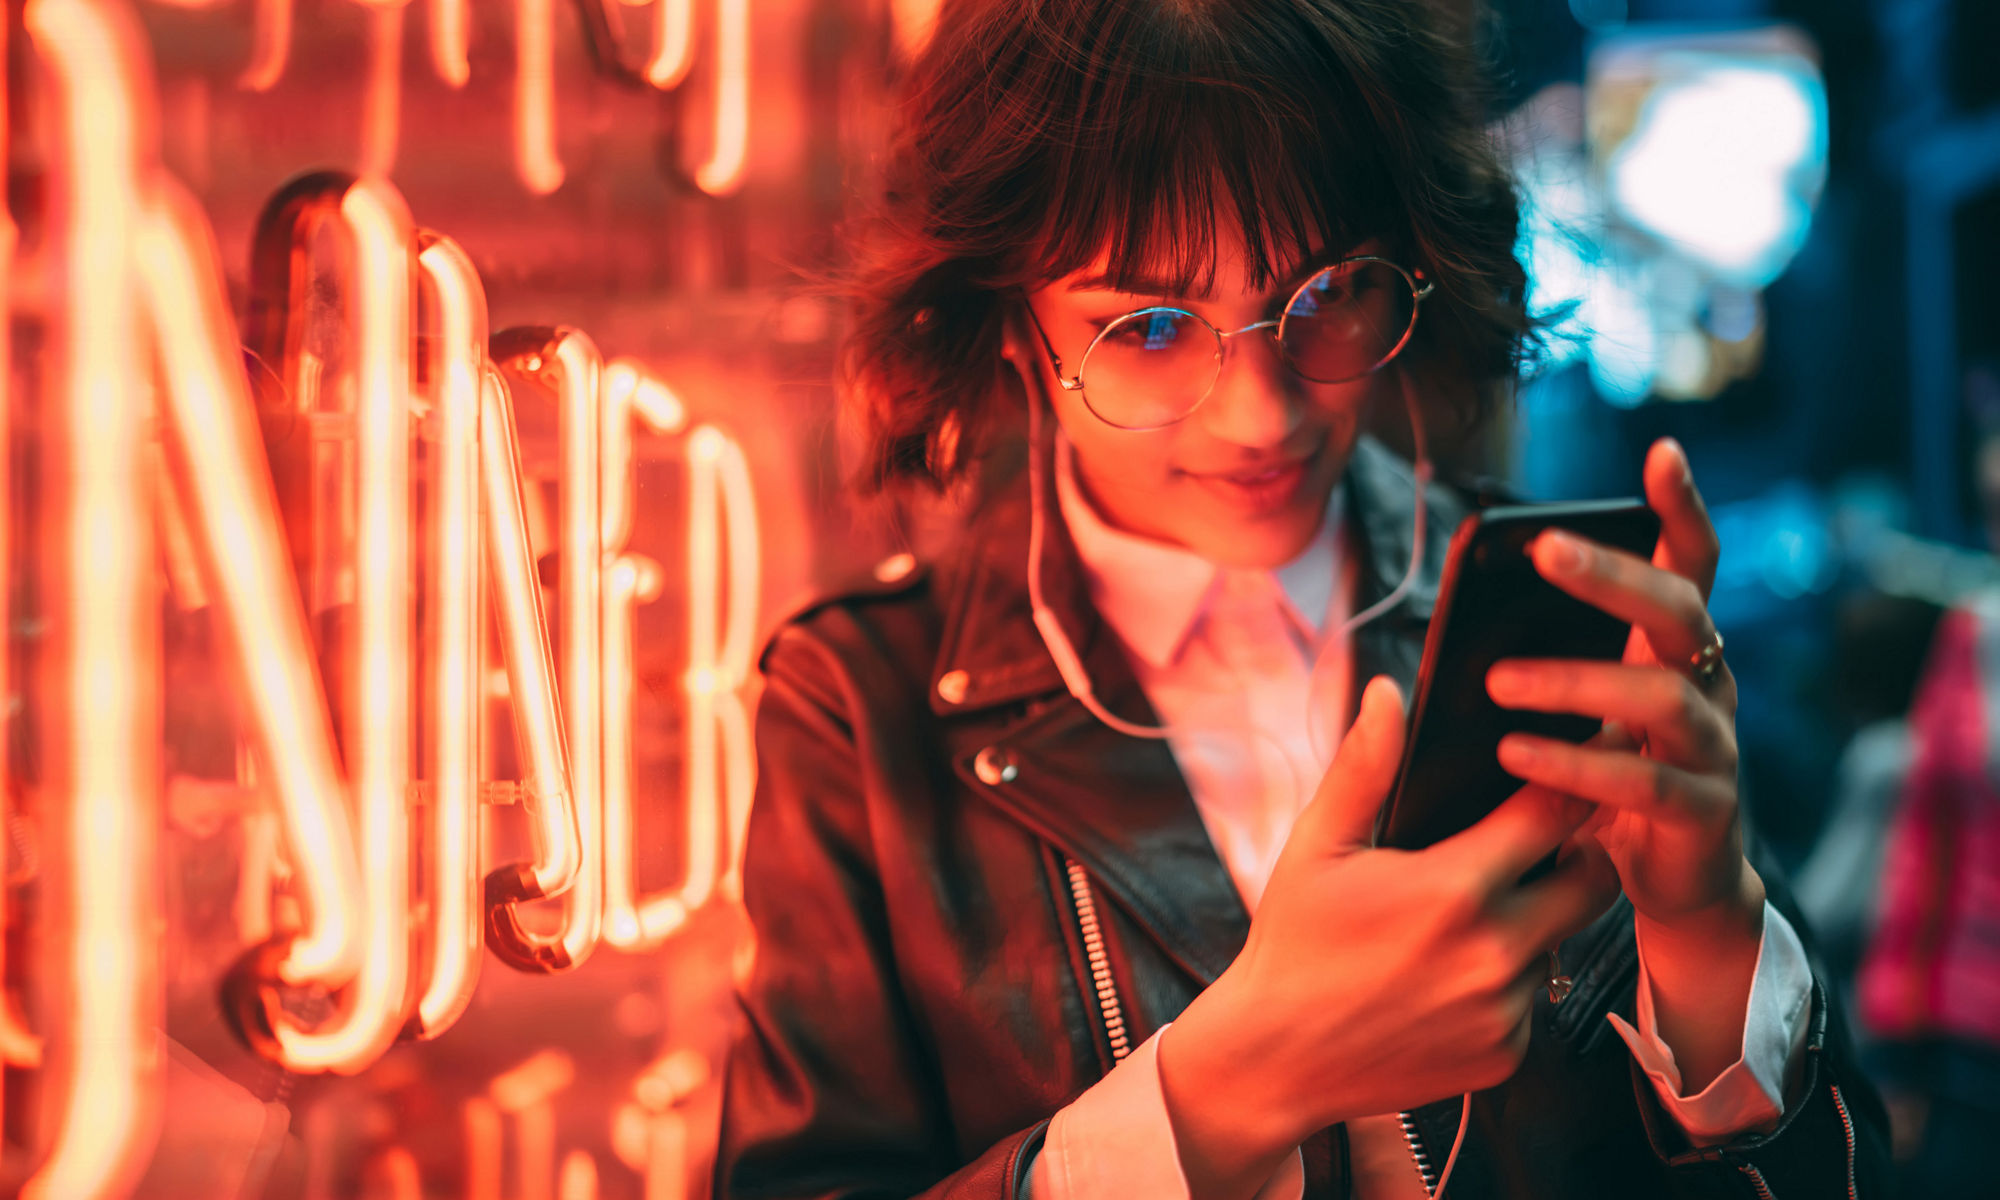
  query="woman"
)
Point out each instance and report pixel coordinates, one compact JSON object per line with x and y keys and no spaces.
{"x":1016,"y":808}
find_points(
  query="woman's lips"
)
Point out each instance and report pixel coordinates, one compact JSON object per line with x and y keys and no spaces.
{"x":1259,"y":490}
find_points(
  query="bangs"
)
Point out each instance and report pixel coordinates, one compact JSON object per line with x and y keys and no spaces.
{"x":1203,"y":115}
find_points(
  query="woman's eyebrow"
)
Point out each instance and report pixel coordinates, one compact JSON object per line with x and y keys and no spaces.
{"x":1144,"y":285}
{"x":1290,"y":281}
{"x":1287,"y":281}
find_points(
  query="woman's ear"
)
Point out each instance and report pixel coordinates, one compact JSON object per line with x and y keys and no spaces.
{"x":1018,"y":352}
{"x":1011,"y":349}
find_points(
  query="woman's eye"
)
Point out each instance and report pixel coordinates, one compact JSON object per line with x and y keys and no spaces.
{"x":1358,"y":283}
{"x":1319,"y":295}
{"x":1148,"y":331}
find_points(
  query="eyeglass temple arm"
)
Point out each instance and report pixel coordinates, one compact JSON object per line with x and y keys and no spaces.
{"x":1068,"y":385}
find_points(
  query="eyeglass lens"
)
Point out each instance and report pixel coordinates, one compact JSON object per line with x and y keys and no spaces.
{"x":1153,"y":366}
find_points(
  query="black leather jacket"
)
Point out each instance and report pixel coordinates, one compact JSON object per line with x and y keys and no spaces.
{"x":936,"y":818}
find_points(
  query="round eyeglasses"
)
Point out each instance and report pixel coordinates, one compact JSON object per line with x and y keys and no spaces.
{"x":1153,"y":367}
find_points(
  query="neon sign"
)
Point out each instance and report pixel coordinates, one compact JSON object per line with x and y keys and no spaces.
{"x":261,"y":542}
{"x":537,"y":163}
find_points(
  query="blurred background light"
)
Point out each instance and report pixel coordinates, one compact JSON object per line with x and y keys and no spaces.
{"x":1725,"y":163}
{"x":1664,"y":196}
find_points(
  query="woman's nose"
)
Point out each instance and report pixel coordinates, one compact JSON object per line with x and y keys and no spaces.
{"x":1253,"y":403}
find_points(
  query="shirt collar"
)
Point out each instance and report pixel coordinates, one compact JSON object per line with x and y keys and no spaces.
{"x":1153,"y":593}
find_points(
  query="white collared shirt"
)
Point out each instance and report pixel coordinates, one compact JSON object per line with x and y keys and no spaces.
{"x":1249,"y":671}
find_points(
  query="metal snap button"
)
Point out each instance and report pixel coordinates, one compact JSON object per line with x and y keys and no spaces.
{"x":953,"y":685}
{"x":994,"y":766}
{"x":895,"y":567}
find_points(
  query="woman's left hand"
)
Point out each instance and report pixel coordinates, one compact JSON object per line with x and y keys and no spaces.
{"x":1663,"y":773}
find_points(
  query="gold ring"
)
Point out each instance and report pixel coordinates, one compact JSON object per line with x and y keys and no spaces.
{"x":1559,"y":983}
{"x":1707,"y":661}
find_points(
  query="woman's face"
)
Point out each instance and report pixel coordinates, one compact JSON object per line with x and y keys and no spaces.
{"x":1244,"y":480}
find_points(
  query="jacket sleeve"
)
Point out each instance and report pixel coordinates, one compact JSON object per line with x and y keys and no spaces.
{"x":830,"y":1090}
{"x":1833,"y":1138}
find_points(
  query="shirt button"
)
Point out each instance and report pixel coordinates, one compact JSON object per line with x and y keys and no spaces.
{"x":894,"y":567}
{"x":994,"y":766}
{"x":953,"y":685}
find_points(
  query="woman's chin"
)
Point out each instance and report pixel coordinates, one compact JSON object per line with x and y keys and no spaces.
{"x":1266,"y":541}
{"x":1256,"y":532}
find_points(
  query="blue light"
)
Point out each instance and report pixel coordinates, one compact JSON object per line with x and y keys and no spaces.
{"x":1776,"y":547}
{"x":1660,"y":199}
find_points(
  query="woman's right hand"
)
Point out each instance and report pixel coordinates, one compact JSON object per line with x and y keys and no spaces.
{"x":1374,"y":980}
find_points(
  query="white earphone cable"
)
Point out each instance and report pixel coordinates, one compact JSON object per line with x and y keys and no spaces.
{"x":1421,"y":470}
{"x":1451,"y":1160}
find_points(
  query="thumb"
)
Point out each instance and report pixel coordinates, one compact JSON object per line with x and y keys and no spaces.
{"x":1341,"y":817}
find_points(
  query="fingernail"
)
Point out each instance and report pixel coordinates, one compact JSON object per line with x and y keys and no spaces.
{"x":1559,"y":553}
{"x":1516,"y":753}
{"x":1506,"y":683}
{"x":1687,"y":468}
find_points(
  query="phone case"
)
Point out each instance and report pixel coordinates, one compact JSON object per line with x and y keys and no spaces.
{"x":1492,"y":604}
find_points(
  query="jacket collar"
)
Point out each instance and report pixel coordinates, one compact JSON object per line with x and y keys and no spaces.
{"x":1117,"y":804}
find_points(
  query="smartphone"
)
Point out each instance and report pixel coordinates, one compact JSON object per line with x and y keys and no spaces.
{"x":1493,"y":604}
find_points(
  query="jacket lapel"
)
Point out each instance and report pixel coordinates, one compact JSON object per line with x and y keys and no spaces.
{"x":1381,"y":498}
{"x":1119,"y":806}
{"x":1114,"y":803}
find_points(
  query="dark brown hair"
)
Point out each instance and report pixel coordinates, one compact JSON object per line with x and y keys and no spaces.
{"x":1035,"y":135}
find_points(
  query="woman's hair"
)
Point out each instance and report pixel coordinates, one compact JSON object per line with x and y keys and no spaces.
{"x":1035,"y":136}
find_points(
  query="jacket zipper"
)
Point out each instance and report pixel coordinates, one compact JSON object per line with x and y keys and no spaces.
{"x":1757,"y":1181}
{"x":1847,"y":1125}
{"x":1113,"y":1014}
{"x":1426,"y":1173}
{"x":1108,"y":1008}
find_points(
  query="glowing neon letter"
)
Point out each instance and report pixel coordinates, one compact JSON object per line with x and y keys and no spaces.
{"x":535,"y":158}
{"x":568,"y":359}
{"x":456,"y":376}
{"x":448,"y":39}
{"x":673,"y":43}
{"x":99,"y":730}
{"x":720,"y":652}
{"x":270,"y":44}
{"x":375,"y":708}
{"x":382,"y":103}
{"x":538,"y":729}
{"x":724,"y":169}
{"x":716,"y":779}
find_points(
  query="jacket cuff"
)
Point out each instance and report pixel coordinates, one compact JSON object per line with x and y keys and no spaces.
{"x":1811,"y":1152}
{"x":1749,"y":1095}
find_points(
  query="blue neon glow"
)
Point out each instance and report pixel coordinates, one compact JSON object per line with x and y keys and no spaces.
{"x":1661,"y":199}
{"x":1725,"y":163}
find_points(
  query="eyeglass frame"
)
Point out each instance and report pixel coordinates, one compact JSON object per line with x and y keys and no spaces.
{"x":1420,"y":288}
